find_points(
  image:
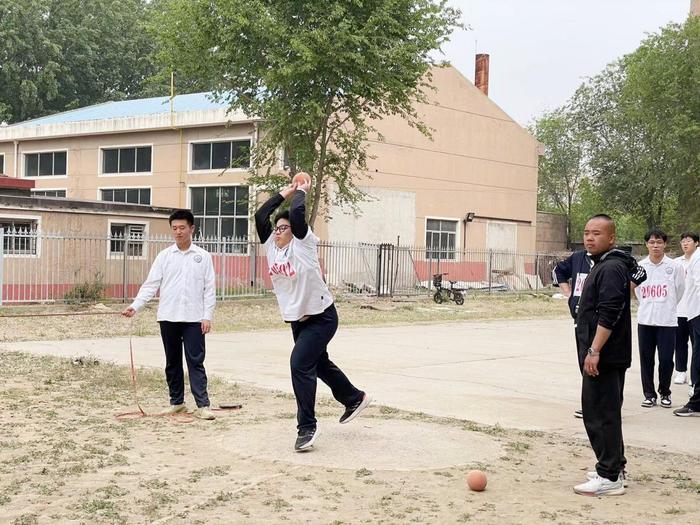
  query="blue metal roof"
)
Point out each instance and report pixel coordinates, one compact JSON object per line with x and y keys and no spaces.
{"x":130,"y":108}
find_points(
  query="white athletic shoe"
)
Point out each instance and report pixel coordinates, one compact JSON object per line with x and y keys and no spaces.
{"x":681,"y":378}
{"x":622,"y":476}
{"x":600,"y":487}
{"x":175,"y":409}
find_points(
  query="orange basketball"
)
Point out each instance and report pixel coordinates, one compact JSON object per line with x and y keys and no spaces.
{"x":476,"y":480}
{"x":301,"y":177}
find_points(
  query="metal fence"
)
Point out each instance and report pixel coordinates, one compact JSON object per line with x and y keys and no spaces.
{"x":53,"y":267}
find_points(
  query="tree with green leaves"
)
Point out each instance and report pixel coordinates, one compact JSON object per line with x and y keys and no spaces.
{"x":317,"y":73}
{"x":561,"y":165}
{"x":57,"y":55}
{"x":641,"y":118}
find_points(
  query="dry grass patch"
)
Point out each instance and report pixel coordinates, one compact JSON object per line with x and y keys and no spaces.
{"x":263,"y":314}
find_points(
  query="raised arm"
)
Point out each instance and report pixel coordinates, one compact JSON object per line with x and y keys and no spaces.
{"x":262,"y":216}
{"x":297,"y":214}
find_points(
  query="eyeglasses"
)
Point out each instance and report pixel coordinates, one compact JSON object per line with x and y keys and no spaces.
{"x":281,"y":228}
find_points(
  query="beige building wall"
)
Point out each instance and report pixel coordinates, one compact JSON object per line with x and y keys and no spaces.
{"x":170,"y":175}
{"x":478,"y":160}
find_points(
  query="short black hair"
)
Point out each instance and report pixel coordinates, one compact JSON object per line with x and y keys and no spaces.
{"x":282,"y":215}
{"x":655,"y":232}
{"x":692,"y":235}
{"x":605,"y":217}
{"x":182,"y":215}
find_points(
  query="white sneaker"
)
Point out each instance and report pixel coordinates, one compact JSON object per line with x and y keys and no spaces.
{"x":622,"y":476}
{"x":600,"y":487}
{"x":175,"y":409}
{"x":681,"y":378}
{"x":204,"y":413}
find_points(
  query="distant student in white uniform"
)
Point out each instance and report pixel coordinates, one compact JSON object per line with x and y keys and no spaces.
{"x":307,"y":304}
{"x":184,"y":273}
{"x":657,"y":318}
{"x":689,"y":243}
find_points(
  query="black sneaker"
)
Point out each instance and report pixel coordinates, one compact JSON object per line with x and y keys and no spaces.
{"x":649,"y":402}
{"x":578,"y":414}
{"x":354,"y":410}
{"x":306,"y":439}
{"x":665,"y":401}
{"x":686,"y":412}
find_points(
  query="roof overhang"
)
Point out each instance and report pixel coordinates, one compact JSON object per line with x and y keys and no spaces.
{"x":159,"y":121}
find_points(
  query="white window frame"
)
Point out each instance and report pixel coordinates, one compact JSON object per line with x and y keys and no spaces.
{"x":23,"y":164}
{"x":188,"y":203}
{"x":4,"y":164}
{"x":190,"y":155}
{"x":36,"y":218}
{"x":35,"y":190}
{"x":100,"y":188}
{"x":100,"y":161}
{"x":457,"y":236}
{"x":120,"y":255}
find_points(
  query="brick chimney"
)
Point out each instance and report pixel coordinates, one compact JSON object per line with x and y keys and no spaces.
{"x":481,"y":73}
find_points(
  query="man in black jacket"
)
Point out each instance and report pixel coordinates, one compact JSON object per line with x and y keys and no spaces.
{"x":604,"y":334}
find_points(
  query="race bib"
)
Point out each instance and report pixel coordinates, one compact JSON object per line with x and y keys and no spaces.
{"x":578,"y":286}
{"x":655,"y":292}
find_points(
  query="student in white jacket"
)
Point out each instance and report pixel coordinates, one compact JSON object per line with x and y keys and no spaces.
{"x":657,"y":318}
{"x":692,"y":283}
{"x":184,"y":274}
{"x":689,"y":243}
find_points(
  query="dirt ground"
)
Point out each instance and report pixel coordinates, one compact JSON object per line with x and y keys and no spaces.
{"x":65,"y":458}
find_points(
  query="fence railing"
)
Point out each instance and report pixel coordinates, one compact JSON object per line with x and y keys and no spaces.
{"x":54,"y":267}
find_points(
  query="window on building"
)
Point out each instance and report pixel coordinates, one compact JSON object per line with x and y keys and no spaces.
{"x":48,"y":164}
{"x":49,"y":193}
{"x":222,"y":212}
{"x":19,"y":237}
{"x":221,"y":155}
{"x":440,"y":239}
{"x":126,"y":234}
{"x":128,"y":195}
{"x":127,"y":160}
{"x":2,"y":164}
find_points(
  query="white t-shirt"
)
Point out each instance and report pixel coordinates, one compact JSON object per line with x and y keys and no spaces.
{"x":659,"y":294}
{"x":682,"y":310}
{"x":296,"y":277}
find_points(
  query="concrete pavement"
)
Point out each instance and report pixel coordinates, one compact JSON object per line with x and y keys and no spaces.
{"x":519,"y":374}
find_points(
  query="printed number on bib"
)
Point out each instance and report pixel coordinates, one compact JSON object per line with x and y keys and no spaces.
{"x":654,"y":291}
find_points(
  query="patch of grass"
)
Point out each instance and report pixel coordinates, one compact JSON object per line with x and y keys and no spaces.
{"x":518,"y":446}
{"x":674,"y":511}
{"x":26,"y":519}
{"x":102,"y":508}
{"x":277,"y":504}
{"x":361,"y":473}
{"x":219,"y":470}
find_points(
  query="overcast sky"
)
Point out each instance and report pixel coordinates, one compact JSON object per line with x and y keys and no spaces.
{"x":541,"y":50}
